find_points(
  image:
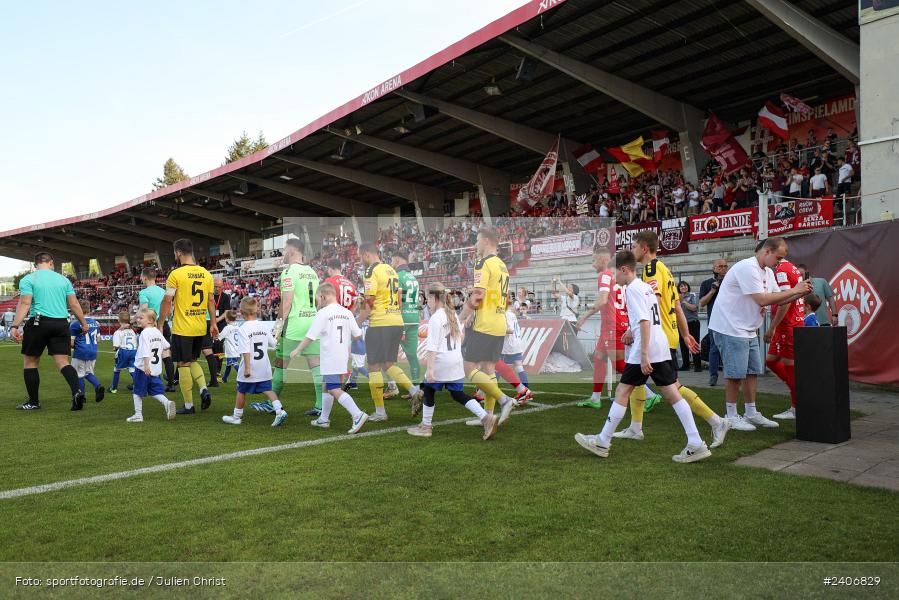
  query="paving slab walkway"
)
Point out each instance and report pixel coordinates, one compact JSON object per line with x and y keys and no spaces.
{"x":870,"y":458}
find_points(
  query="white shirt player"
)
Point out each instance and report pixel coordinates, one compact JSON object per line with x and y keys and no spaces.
{"x":336,"y":327}
{"x":125,"y":339}
{"x":255,"y":339}
{"x":151,"y":344}
{"x":642,"y":305}
{"x":448,"y":365}
{"x":230,"y":336}
{"x":512,"y":341}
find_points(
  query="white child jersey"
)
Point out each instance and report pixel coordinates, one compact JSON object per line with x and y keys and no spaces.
{"x":448,"y":361}
{"x":124,"y":338}
{"x":512,"y":341}
{"x":336,"y":327}
{"x":642,"y":305}
{"x":255,"y":339}
{"x":151,"y":344}
{"x":230,"y":337}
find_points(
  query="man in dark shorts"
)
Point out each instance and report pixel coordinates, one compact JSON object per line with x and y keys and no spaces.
{"x":648,"y":356}
{"x":188,"y":296}
{"x":45,"y":298}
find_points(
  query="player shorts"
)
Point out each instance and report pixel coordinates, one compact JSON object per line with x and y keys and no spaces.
{"x":232,"y":361}
{"x":254,"y":387}
{"x":610,"y":342}
{"x":482,"y":347}
{"x":450,"y":386}
{"x":781,"y":344}
{"x":287,"y":345}
{"x":511,"y":359}
{"x":84,"y":367}
{"x":186,"y":348}
{"x":383,"y":343}
{"x":331,"y":382}
{"x":50,"y":334}
{"x":207,"y":338}
{"x":124,"y":359}
{"x":147,"y":385}
{"x":663,"y":373}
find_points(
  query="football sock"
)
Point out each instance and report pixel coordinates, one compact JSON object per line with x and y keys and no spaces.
{"x":637,"y":401}
{"x":731,"y":410}
{"x":138,"y":404}
{"x":506,"y":372}
{"x":317,"y":384}
{"x":32,"y":384}
{"x":427,"y":414}
{"x":348,"y":403}
{"x":92,"y":379}
{"x":750,"y":409}
{"x":376,"y":387}
{"x":410,"y":347}
{"x":238,"y":413}
{"x":278,"y":380}
{"x":790,"y":371}
{"x":475,"y":408}
{"x":699,"y":408}
{"x":212,"y":362}
{"x":81,"y":383}
{"x":71,"y":376}
{"x":327,"y":405}
{"x":682,"y":408}
{"x":226,"y":373}
{"x":198,"y":376}
{"x":599,"y":374}
{"x":616,"y":413}
{"x":777,"y":368}
{"x":488,"y":384}
{"x":186,"y":385}
{"x":162,"y":399}
{"x":428,"y":400}
{"x":363,"y":370}
{"x":276,"y":404}
{"x":523,"y":376}
{"x":397,"y":374}
{"x":115,"y":379}
{"x":596,"y":395}
{"x":169,"y":365}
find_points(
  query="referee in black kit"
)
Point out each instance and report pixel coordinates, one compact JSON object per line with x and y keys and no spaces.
{"x":46,"y":298}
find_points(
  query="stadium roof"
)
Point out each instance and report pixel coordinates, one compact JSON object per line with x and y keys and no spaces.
{"x":723,"y":55}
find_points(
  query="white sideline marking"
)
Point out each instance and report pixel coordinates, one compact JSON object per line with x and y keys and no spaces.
{"x":61,"y":485}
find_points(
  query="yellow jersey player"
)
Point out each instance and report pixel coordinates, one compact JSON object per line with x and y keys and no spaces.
{"x":385,"y":330}
{"x":659,"y":279}
{"x":188,"y":297}
{"x":484,"y":315}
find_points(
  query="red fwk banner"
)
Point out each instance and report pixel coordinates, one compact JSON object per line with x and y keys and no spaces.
{"x":718,"y":141}
{"x":723,"y":224}
{"x":857,"y":264}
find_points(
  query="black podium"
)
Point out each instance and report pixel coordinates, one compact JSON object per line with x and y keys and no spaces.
{"x":822,"y":384}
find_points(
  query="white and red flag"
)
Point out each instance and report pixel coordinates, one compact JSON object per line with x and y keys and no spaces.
{"x":542,"y":182}
{"x":660,"y":143}
{"x":774,"y":119}
{"x":796,"y":105}
{"x":589,"y":158}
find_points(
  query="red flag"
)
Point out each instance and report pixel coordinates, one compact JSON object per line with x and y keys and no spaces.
{"x":718,"y":141}
{"x":542,"y":182}
{"x":613,"y":188}
{"x":660,"y":143}
{"x":796,"y":105}
{"x":774,"y":119}
{"x":588,"y":157}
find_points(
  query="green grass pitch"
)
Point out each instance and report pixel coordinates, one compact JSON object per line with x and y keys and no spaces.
{"x":532,"y":494}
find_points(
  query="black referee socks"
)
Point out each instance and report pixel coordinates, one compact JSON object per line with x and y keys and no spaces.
{"x":33,"y":384}
{"x":71,"y":376}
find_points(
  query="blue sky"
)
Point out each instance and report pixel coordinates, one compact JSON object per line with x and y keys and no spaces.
{"x":105,"y":92}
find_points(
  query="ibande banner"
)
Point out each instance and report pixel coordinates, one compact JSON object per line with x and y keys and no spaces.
{"x":859,"y":267}
{"x":722,"y":224}
{"x":672,"y":235}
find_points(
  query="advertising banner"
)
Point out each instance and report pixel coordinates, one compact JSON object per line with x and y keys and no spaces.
{"x":795,"y":215}
{"x":561,"y":246}
{"x":723,"y":224}
{"x":672,"y":235}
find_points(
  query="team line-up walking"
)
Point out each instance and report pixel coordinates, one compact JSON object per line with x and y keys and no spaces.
{"x":331,"y":325}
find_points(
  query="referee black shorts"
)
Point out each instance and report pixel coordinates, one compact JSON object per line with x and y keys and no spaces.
{"x":481,"y":347}
{"x":382,"y":344}
{"x":186,"y":348}
{"x":49,"y":334}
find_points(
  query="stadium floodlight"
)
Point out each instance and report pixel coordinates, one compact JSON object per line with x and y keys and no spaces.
{"x":286,"y":176}
{"x":492,"y":89}
{"x":401,"y":128}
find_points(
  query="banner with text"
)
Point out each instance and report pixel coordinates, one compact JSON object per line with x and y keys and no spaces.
{"x":796,"y":215}
{"x":672,"y":235}
{"x":560,"y":246}
{"x":723,"y":224}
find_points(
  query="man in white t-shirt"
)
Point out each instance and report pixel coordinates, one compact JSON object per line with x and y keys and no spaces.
{"x":818,"y":183}
{"x":648,"y":356}
{"x":336,"y":327}
{"x":746,"y":290}
{"x":568,"y":300}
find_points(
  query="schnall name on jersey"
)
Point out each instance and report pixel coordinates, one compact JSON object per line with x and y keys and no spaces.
{"x":197,"y":275}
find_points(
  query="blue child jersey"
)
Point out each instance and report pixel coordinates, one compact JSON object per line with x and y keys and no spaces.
{"x":85,"y":344}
